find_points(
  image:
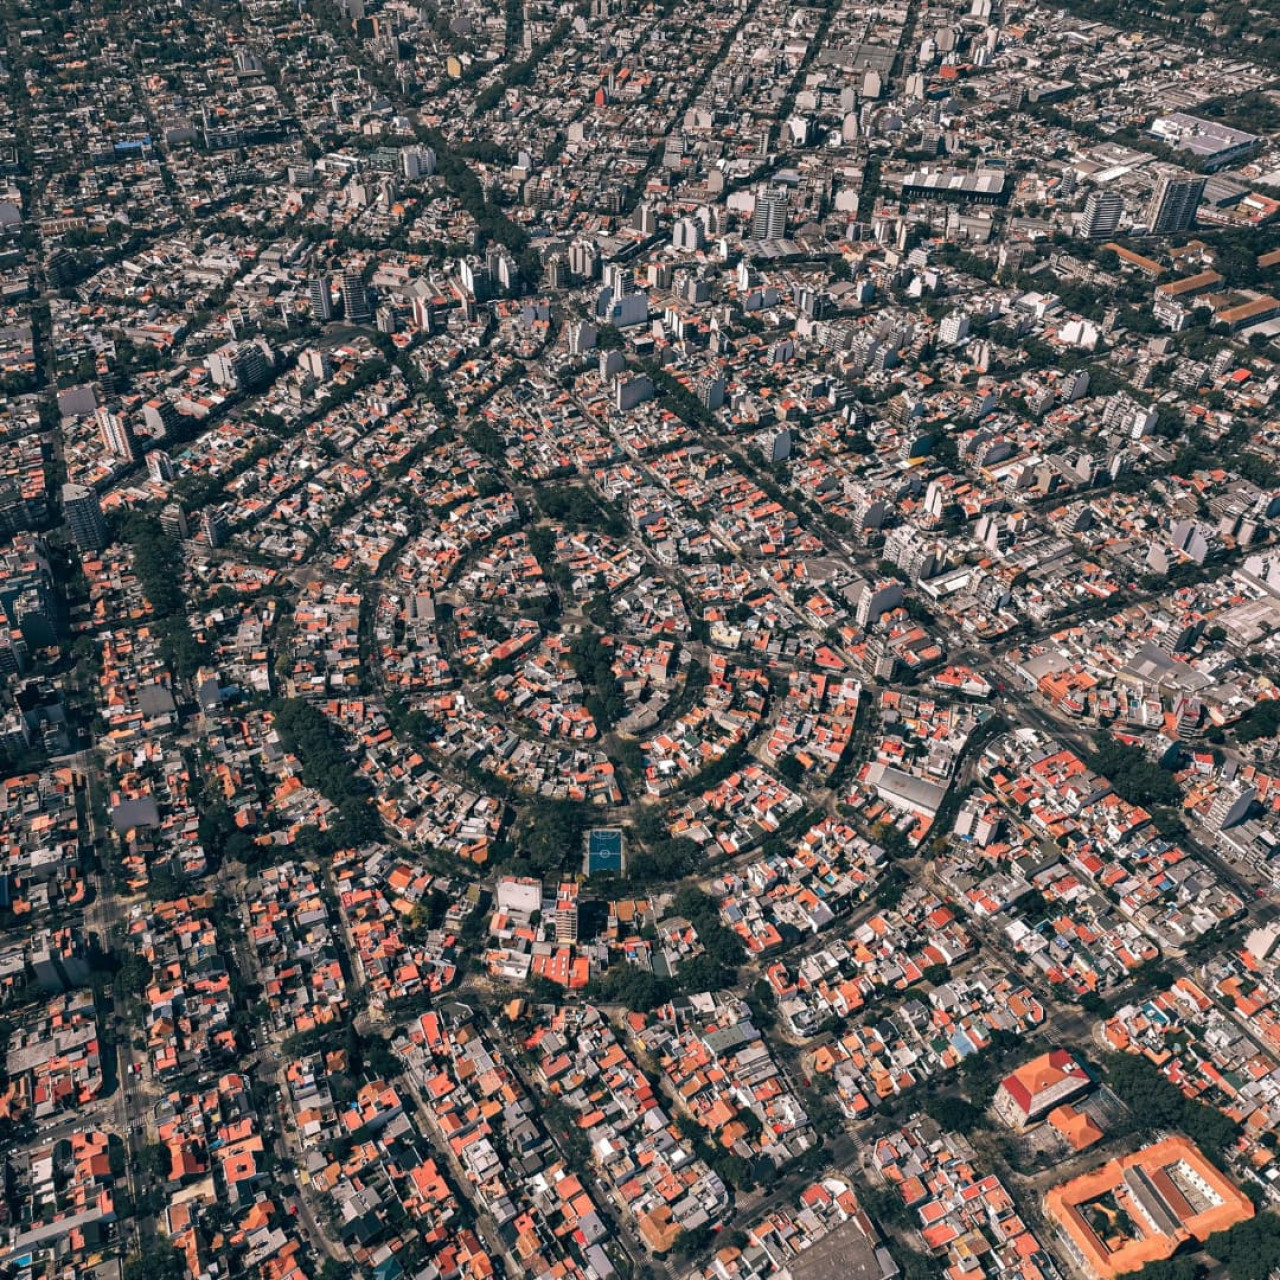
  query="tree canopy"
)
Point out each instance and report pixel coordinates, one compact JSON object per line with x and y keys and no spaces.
{"x":158,"y":1261}
{"x":551,"y":834}
{"x":1134,"y":777}
{"x":1249,"y":1250}
{"x":1154,"y":1103}
{"x":308,"y":734}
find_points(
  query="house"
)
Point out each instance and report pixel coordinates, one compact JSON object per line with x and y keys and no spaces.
{"x":1028,"y":1094}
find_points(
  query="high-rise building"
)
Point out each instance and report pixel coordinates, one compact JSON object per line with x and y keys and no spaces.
{"x":246,"y":62}
{"x":769,"y":222}
{"x":34,"y":611}
{"x":173,"y":520}
{"x":712,"y":218}
{"x":1173,"y":204}
{"x":1102,"y":212}
{"x":116,"y":437}
{"x":877,"y":598}
{"x":505,"y":271}
{"x":241,"y":366}
{"x":355,"y":298}
{"x":424,"y":319}
{"x":160,"y":415}
{"x":710,"y":390}
{"x":1075,"y":386}
{"x":84,"y":517}
{"x":213,"y":527}
{"x":582,"y":337}
{"x":321,"y":298}
{"x":621,"y":279}
{"x":954,"y":328}
{"x":629,"y":392}
{"x":566,"y":913}
{"x":475,"y":278}
{"x":159,"y":466}
{"x":584,"y":259}
{"x":417,"y":162}
{"x":687,"y":235}
{"x":557,"y":272}
{"x":15,"y":657}
{"x":316,"y":363}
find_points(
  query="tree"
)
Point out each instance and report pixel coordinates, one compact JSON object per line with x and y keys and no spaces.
{"x":159,"y":1260}
{"x":592,"y":661}
{"x":1170,"y":1269}
{"x":636,"y":988}
{"x":552,"y":834}
{"x":653,"y":855}
{"x":133,"y":975}
{"x":1135,"y":778}
{"x":915,"y":1265}
{"x":600,"y":610}
{"x":543,"y":991}
{"x":690,"y":1243}
{"x":884,"y":1206}
{"x":1156,"y":1104}
{"x":307,"y":733}
{"x":154,"y":560}
{"x":720,"y":943}
{"x":1209,"y":1128}
{"x":663,"y":861}
{"x":577,"y":507}
{"x":154,"y":1160}
{"x":701,"y":973}
{"x":1249,"y":1250}
{"x":735,"y":1171}
{"x":630,"y":755}
{"x":790,"y":770}
{"x":1261,"y":721}
{"x":484,"y":439}
{"x":379,"y":1060}
{"x":955,"y":1114}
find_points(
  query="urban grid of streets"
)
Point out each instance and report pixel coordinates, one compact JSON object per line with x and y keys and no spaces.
{"x":639,"y":639}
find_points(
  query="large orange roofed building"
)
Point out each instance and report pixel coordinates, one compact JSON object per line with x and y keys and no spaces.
{"x":1143,"y":1208}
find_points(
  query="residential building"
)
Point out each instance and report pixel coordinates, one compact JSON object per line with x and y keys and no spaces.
{"x":355,"y":298}
{"x":116,"y":436}
{"x":1102,"y":213}
{"x":566,"y":912}
{"x":1173,"y":204}
{"x":318,"y":292}
{"x":84,"y":516}
{"x":769,"y":220}
{"x":1037,"y":1087}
